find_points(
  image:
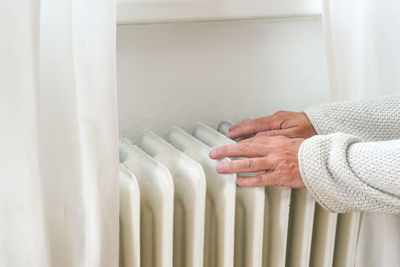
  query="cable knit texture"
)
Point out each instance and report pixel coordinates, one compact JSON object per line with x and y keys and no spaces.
{"x":354,"y":162}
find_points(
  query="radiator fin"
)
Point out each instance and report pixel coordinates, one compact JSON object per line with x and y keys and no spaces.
{"x":221,"y":194}
{"x":156,"y":202}
{"x":176,"y":210}
{"x":250,"y":204}
{"x":129,"y":222}
{"x":190,"y":194}
{"x":323,"y":242}
{"x":301,"y":221}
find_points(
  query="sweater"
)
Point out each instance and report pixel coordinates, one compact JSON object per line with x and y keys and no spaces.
{"x":353,"y":164}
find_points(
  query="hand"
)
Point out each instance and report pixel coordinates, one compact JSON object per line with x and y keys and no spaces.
{"x":285,"y":123}
{"x":276,"y":156}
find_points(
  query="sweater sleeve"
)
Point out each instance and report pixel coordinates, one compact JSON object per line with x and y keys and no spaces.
{"x":346,"y":174}
{"x":372,"y":119}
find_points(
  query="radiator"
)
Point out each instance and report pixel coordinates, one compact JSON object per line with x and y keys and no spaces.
{"x":176,"y":210}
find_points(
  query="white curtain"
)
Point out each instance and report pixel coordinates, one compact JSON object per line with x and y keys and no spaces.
{"x":363,"y":49}
{"x":58,"y":135}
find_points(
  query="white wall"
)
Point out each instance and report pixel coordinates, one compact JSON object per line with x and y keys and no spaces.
{"x":187,"y":72}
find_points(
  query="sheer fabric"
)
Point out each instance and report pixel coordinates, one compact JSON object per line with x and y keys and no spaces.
{"x":363,"y":50}
{"x":58,"y":140}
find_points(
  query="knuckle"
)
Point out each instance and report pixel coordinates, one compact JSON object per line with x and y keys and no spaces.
{"x":251,"y":164}
{"x":259,"y":179}
{"x":244,"y":147}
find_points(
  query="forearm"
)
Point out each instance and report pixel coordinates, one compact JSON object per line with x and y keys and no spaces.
{"x":345,"y":174}
{"x":371,"y":120}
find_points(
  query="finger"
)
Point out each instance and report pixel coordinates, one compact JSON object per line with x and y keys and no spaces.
{"x":263,"y":179}
{"x":280,"y":132}
{"x":263,"y":139}
{"x":247,"y":150}
{"x":245,"y":165}
{"x":249,"y":127}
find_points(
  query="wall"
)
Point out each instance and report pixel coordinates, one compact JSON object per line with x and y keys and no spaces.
{"x":161,"y":11}
{"x":180,"y":73}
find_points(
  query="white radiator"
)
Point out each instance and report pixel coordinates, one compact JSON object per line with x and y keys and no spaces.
{"x":176,"y":210}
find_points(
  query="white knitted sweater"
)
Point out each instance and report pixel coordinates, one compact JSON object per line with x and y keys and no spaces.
{"x":354,"y":162}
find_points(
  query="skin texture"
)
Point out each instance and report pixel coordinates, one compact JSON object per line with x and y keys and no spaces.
{"x":271,"y":154}
{"x":285,"y":123}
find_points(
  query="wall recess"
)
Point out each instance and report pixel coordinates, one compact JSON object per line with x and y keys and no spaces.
{"x":161,"y":11}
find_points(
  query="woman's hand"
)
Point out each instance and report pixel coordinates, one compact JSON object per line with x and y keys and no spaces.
{"x":275,"y":156}
{"x":290,"y":124}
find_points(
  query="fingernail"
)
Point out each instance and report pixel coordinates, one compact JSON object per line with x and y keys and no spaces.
{"x":212,"y":154}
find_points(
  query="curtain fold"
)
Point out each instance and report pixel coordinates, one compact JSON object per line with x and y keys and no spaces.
{"x":59,"y":157}
{"x":363,"y":52}
{"x":362,"y":42}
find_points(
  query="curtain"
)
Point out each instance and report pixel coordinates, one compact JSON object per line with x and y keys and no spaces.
{"x":363,"y":52}
{"x":58,"y":135}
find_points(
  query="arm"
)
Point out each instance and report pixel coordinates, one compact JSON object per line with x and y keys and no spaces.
{"x":371,"y":120}
{"x":345,"y":174}
{"x":342,"y":172}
